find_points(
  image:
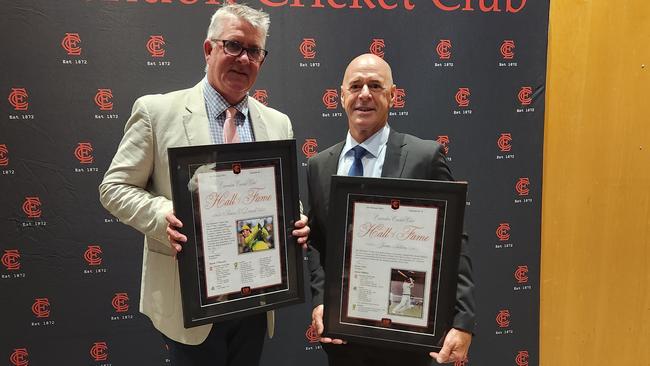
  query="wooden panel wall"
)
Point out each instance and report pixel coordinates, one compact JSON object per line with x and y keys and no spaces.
{"x":595,"y":291}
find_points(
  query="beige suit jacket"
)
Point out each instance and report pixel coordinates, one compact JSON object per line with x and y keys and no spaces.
{"x":137,"y":191}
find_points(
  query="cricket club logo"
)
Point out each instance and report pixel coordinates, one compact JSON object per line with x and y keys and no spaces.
{"x":18,"y":99}
{"x":84,"y":153}
{"x":503,"y":318}
{"x":462,"y":97}
{"x":377,"y":47}
{"x":120,"y":302}
{"x":41,"y":307}
{"x":4,"y":155}
{"x":11,"y":259}
{"x":444,"y":141}
{"x":99,"y":351}
{"x":308,"y":48}
{"x":19,"y":357}
{"x":503,"y":231}
{"x":522,"y":186}
{"x":93,"y":255}
{"x":504,"y":142}
{"x":32,"y":207}
{"x":310,"y":148}
{"x":521,"y":274}
{"x":311,"y":334}
{"x":525,"y":95}
{"x":522,"y":358}
{"x":399,"y":101}
{"x":464,"y":362}
{"x":261,"y":96}
{"x":507,"y":49}
{"x":103,"y":99}
{"x":70,"y":44}
{"x":443,"y":49}
{"x":156,"y":46}
{"x":331,"y":98}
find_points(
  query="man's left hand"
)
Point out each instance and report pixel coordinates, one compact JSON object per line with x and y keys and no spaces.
{"x":301,"y":231}
{"x":454,"y":348}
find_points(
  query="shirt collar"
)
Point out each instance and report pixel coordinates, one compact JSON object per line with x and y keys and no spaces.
{"x":373,"y":144}
{"x":218,"y":104}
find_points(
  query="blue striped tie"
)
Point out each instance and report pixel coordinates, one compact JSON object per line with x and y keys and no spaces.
{"x":357,"y":166}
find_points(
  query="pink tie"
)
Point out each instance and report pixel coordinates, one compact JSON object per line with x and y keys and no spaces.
{"x":230,"y":134}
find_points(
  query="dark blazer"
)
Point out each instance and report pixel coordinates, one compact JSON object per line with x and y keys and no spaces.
{"x":406,"y":157}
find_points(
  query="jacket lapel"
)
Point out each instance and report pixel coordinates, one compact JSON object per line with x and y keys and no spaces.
{"x":330,"y":166}
{"x":395,"y":155}
{"x":259,"y":126}
{"x":195,"y":119}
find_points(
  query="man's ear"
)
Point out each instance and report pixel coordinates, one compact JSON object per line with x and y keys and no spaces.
{"x":342,"y":97}
{"x":393,"y":95}
{"x":207,"y":48}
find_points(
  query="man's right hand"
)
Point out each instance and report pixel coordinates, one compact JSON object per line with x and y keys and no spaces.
{"x":317,"y":323}
{"x":176,"y":239}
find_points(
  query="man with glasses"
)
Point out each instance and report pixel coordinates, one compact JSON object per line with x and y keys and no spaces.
{"x":373,"y":149}
{"x":136,"y":187}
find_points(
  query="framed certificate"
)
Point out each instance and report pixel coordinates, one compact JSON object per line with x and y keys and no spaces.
{"x":392,"y":269}
{"x":238,"y":204}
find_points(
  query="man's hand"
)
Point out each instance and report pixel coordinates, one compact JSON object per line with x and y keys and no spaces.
{"x":454,"y":348}
{"x":317,"y":323}
{"x":301,"y":232}
{"x":176,"y":239}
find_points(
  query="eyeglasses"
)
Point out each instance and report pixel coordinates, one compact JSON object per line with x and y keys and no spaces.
{"x":235,"y":49}
{"x":373,"y":87}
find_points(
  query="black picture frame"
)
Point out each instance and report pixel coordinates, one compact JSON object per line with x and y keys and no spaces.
{"x":359,"y":289}
{"x":230,"y":163}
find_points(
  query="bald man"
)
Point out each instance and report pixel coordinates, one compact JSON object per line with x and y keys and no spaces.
{"x":367,"y":94}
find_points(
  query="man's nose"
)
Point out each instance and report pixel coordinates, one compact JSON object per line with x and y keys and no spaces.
{"x":365,"y":91}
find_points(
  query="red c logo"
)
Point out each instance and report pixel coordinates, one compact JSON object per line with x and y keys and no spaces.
{"x":503,"y":231}
{"x":312,"y":335}
{"x":70,"y":44}
{"x":521,"y":274}
{"x":444,"y":141}
{"x":522,"y":358}
{"x":18,"y":99}
{"x":92,"y":255}
{"x":522,"y":186}
{"x":462,"y":97}
{"x":503,"y":318}
{"x":310,"y":148}
{"x":506,"y":49}
{"x":399,"y":102}
{"x":84,"y":152}
{"x":524,"y":95}
{"x":443,"y":49}
{"x":377,"y":47}
{"x":103,"y":99}
{"x":98,"y":351}
{"x":331,"y":99}
{"x":32,"y":207}
{"x":307,"y":48}
{"x":19,"y":357}
{"x":120,"y":302}
{"x":11,"y":259}
{"x":4,"y":155}
{"x":155,"y":46}
{"x":504,"y":142}
{"x":41,"y":307}
{"x":261,"y":96}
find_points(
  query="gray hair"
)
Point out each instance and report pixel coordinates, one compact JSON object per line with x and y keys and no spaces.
{"x":257,"y":18}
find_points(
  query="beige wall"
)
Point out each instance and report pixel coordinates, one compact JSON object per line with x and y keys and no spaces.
{"x":595,"y":290}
